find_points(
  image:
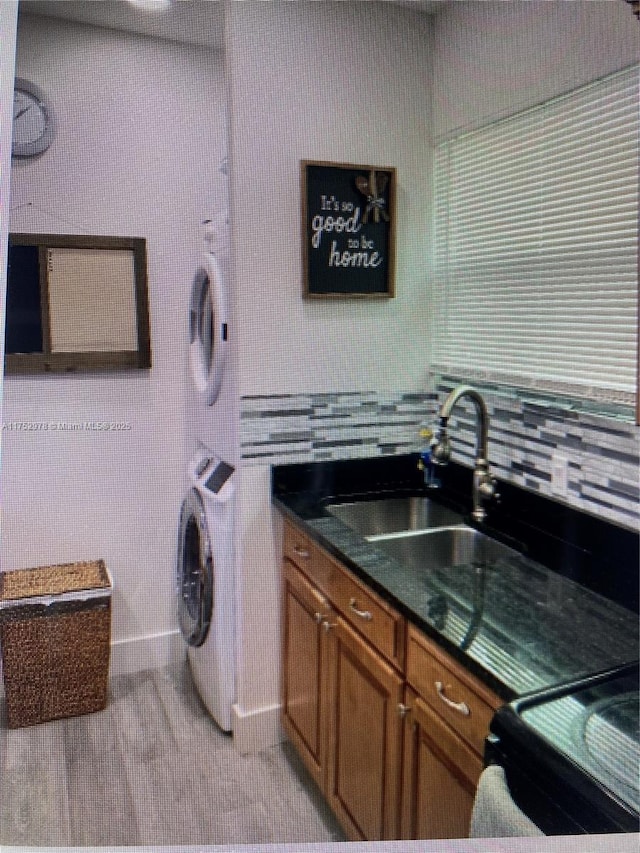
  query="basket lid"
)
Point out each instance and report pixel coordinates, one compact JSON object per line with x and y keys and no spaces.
{"x":64,"y":579}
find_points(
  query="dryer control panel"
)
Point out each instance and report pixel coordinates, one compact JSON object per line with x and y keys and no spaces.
{"x":219,"y":477}
{"x":213,"y":475}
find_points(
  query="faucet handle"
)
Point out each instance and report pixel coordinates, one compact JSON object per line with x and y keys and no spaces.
{"x":488,"y":487}
{"x":441,"y":449}
{"x":484,"y":489}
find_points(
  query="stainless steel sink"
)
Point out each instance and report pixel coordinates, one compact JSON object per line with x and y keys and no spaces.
{"x":393,"y":515}
{"x":444,"y":548}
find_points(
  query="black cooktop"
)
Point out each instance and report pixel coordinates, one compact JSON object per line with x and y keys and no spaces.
{"x":572,"y":754}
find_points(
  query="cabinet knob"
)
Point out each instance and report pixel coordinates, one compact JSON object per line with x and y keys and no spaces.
{"x":318,"y":617}
{"x":301,"y":552}
{"x":403,"y":710}
{"x":460,"y":707}
{"x":362,"y":614}
{"x":327,"y":626}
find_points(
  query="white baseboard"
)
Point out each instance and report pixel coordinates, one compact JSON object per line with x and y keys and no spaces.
{"x":257,"y":729}
{"x":150,"y":652}
{"x":253,"y":730}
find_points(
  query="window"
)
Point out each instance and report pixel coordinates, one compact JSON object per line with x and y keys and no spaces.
{"x":536,"y":245}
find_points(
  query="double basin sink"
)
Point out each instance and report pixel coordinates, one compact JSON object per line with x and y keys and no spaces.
{"x":420,"y":533}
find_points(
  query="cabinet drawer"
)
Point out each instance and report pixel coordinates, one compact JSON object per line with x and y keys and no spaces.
{"x":297,"y":547}
{"x":456,"y":696}
{"x":366,"y":612}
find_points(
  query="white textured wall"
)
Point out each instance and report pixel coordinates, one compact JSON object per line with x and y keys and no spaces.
{"x":491,"y":59}
{"x":8,"y":26}
{"x":343,"y":82}
{"x":141,"y":129}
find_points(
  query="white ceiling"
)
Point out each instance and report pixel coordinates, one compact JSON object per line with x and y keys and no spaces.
{"x":191,"y":21}
{"x":430,"y":7}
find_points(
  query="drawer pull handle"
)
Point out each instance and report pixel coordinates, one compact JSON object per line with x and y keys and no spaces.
{"x":460,"y":707}
{"x":363,"y":614}
{"x":301,"y":552}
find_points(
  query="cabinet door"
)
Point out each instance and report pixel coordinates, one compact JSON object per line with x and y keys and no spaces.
{"x":440,"y":776}
{"x":305,"y":687}
{"x":365,"y":735}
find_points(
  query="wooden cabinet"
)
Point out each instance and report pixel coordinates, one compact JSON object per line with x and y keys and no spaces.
{"x":447,"y":719}
{"x":459,"y":699}
{"x":367,"y":612}
{"x":389,"y":726}
{"x":365,"y":737}
{"x":440,"y":775}
{"x":341,"y":689}
{"x":305,"y":671}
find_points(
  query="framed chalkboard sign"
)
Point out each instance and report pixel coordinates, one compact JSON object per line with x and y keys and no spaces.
{"x":348,"y":230}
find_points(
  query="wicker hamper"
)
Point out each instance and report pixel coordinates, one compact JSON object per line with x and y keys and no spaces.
{"x":55,"y":633}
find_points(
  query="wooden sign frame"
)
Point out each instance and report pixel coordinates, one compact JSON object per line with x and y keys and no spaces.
{"x":348,"y":230}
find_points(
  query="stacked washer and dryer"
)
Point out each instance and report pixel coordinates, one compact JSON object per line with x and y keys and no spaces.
{"x":205,"y":558}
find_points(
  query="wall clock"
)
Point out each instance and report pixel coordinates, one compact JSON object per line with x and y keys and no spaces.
{"x":32,"y":120}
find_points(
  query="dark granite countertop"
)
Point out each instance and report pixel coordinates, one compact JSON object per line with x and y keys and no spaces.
{"x":518,"y":625}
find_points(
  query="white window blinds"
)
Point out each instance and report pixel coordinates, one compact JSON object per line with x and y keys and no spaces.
{"x":536,"y":244}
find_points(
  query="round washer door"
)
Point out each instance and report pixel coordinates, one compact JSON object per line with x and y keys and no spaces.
{"x":208,"y":329}
{"x":195,"y":570}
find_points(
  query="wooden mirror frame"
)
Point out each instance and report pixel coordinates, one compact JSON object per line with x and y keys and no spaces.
{"x":91,"y":360}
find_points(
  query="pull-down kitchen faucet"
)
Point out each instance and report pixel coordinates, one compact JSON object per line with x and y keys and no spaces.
{"x":484,"y":484}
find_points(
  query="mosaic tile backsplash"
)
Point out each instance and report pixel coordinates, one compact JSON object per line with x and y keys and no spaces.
{"x":603,"y":454}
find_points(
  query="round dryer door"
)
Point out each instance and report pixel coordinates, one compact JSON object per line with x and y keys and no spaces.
{"x":208,"y":329}
{"x":195,"y":571}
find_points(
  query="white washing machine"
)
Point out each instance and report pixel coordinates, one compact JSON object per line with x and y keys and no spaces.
{"x":205,"y":581}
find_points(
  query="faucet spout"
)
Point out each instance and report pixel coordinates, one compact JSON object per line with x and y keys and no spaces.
{"x":482,"y":420}
{"x":483,"y":483}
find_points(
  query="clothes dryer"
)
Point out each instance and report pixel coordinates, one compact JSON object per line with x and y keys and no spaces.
{"x":210,"y":389}
{"x":205,"y":581}
{"x":208,"y":327}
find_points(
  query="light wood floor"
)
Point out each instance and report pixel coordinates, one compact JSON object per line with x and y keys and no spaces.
{"x":151,"y":769}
